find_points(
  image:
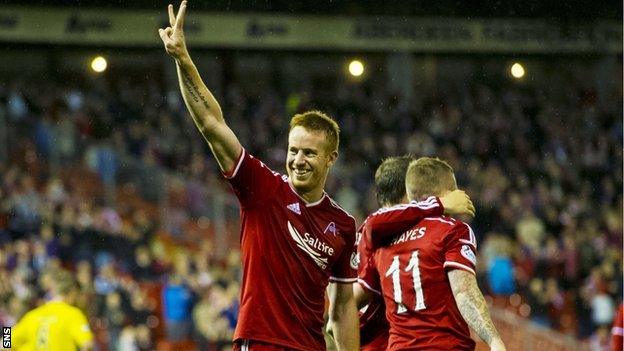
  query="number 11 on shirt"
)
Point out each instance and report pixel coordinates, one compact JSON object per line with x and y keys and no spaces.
{"x":394,"y":271}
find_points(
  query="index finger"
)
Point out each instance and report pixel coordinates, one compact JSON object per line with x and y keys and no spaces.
{"x":180,"y":18}
{"x":172,"y":19}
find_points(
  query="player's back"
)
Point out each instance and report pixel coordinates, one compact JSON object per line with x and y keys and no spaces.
{"x":419,"y":302}
{"x":53,"y":326}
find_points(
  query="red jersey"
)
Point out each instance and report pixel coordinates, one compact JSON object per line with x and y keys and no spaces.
{"x":617,"y":331}
{"x":384,"y":223}
{"x":420,"y":305}
{"x":373,"y":326}
{"x":290,"y":251}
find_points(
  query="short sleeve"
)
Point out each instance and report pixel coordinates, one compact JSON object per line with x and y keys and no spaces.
{"x":460,"y":249}
{"x":251,"y":180}
{"x":391,"y":221}
{"x":80,"y":331}
{"x":368,"y":276}
{"x":345,"y":268}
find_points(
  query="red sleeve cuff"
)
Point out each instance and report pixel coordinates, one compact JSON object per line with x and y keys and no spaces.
{"x":232,"y":173}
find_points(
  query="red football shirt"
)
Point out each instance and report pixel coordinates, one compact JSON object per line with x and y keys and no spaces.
{"x":420,"y":305}
{"x":382,"y":224}
{"x":617,"y":331}
{"x":290,"y":251}
{"x":374,"y":327}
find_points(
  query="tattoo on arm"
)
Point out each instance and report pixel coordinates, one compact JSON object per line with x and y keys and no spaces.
{"x":193,"y":89}
{"x":472,"y":305}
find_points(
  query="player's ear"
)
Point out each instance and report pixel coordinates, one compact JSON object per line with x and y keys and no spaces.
{"x":333,"y":156}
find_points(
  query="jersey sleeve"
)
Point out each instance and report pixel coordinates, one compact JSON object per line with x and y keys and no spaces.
{"x":368,"y":276}
{"x":617,"y":331}
{"x":389,"y":222}
{"x":460,"y":248}
{"x":367,"y":273}
{"x":80,"y":330}
{"x":252,"y":180}
{"x":345,"y":268}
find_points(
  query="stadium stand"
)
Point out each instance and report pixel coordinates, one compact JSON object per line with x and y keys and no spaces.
{"x":543,"y":164}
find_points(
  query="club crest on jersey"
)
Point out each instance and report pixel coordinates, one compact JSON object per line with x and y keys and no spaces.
{"x":311,"y":246}
{"x":294,"y":207}
{"x":467,"y":252}
{"x":331,"y":227}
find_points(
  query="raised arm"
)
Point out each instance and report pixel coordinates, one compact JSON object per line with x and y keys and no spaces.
{"x":389,"y":222}
{"x":200,"y":102}
{"x":343,"y":317}
{"x":473,"y":308}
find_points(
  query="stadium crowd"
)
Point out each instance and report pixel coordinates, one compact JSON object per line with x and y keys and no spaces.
{"x":543,"y":165}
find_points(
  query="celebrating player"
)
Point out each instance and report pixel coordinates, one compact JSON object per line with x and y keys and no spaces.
{"x":426,"y":274}
{"x":390,"y":184}
{"x":294,"y":238}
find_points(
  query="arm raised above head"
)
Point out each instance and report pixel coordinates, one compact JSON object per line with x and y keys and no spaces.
{"x":201,"y":104}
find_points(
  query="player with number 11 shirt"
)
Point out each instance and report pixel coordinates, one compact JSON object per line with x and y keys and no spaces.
{"x":426,"y":274}
{"x":390,"y":188}
{"x":412,"y":271}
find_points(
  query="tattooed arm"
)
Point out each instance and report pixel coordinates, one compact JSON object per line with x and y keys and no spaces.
{"x":200,"y":102}
{"x":473,"y":308}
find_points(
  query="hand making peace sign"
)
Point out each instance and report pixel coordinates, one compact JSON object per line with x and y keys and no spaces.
{"x":173,"y":36}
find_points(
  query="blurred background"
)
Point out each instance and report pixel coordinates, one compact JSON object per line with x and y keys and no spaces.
{"x":102,"y":171}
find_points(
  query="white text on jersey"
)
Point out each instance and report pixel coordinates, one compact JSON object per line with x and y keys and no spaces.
{"x":411,"y":234}
{"x":311,"y":246}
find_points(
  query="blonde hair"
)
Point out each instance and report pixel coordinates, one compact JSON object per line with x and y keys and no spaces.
{"x":318,"y":121}
{"x":429,"y":176}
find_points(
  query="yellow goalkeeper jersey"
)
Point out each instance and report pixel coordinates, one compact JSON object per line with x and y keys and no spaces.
{"x":54,"y":326}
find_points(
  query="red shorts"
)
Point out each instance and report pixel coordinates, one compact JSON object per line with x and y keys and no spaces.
{"x":254,"y":345}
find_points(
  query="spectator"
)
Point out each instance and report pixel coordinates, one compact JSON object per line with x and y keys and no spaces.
{"x":114,"y":318}
{"x":177,"y":307}
{"x":543,"y":164}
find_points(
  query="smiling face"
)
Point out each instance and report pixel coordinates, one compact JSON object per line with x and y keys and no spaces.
{"x":308,"y":161}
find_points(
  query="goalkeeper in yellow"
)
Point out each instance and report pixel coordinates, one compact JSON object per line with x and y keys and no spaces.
{"x":56,"y":325}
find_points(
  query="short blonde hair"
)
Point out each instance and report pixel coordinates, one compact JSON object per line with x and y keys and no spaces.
{"x":429,"y":176}
{"x":318,"y":121}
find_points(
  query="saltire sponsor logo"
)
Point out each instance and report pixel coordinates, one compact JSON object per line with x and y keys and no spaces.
{"x":311,"y":246}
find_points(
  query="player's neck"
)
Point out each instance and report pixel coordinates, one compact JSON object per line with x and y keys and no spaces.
{"x":392,"y":204}
{"x":311,"y":196}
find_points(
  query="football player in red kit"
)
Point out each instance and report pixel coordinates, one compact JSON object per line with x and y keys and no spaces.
{"x":426,"y":274}
{"x":390,"y":188}
{"x":295,"y":240}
